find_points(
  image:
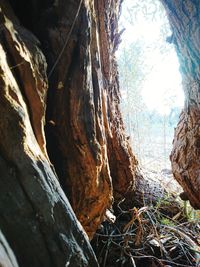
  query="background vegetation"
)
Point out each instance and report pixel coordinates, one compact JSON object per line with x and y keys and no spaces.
{"x":150,"y":82}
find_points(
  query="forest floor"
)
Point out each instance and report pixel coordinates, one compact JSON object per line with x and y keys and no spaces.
{"x":161,"y":234}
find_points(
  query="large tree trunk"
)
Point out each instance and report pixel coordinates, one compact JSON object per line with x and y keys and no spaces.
{"x":84,"y":130}
{"x":36,"y":217}
{"x":85,"y":135}
{"x":184,"y":19}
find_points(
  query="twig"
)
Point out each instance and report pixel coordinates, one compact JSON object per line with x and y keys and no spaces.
{"x":161,"y":260}
{"x":188,"y":239}
{"x":19,"y":64}
{"x":118,"y":235}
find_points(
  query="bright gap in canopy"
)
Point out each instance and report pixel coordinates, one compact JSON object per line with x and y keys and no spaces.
{"x":150,"y":81}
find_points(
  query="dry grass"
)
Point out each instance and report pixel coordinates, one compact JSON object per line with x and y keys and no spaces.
{"x":151,"y":236}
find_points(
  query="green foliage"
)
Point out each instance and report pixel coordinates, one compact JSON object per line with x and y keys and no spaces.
{"x":190,"y":213}
{"x":144,"y":126}
{"x":166,"y":221}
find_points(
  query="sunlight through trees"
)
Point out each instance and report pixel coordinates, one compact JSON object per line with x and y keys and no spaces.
{"x":150,"y":81}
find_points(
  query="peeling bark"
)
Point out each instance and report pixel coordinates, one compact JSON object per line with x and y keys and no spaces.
{"x":36,"y":217}
{"x":122,"y":162}
{"x":184,"y":19}
{"x":83,"y":123}
{"x":85,"y":135}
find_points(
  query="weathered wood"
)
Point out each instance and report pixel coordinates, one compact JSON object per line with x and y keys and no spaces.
{"x":85,"y":134}
{"x":122,"y":162}
{"x":184,"y":17}
{"x":7,"y":258}
{"x":36,"y":216}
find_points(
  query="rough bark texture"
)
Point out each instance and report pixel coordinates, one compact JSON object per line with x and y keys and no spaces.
{"x":85,"y":135}
{"x":7,"y":258}
{"x":84,"y":130}
{"x":184,"y":18}
{"x":35,"y":216}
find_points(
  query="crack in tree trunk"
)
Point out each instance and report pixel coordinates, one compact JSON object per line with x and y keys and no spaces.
{"x":85,"y":134}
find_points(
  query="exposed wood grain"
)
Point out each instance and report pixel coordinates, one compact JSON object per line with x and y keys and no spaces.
{"x":36,"y":216}
{"x":86,"y":141}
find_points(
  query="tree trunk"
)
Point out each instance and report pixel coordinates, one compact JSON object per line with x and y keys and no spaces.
{"x":85,"y":135}
{"x":72,"y":62}
{"x":84,"y":130}
{"x":7,"y":258}
{"x":36,"y":217}
{"x":185,"y":157}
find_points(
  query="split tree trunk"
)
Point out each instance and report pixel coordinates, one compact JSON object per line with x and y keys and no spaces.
{"x":85,"y":134}
{"x":35,"y":215}
{"x":84,"y":130}
{"x":184,"y":17}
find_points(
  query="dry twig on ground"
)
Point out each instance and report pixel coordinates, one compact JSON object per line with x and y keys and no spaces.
{"x":148,"y":237}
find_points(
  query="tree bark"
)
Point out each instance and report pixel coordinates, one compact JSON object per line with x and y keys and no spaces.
{"x":79,"y":39}
{"x":85,"y":135}
{"x":7,"y":258}
{"x":185,"y":157}
{"x":36,"y":217}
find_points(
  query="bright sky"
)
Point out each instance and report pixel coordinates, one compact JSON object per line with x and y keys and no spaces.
{"x":162,"y":87}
